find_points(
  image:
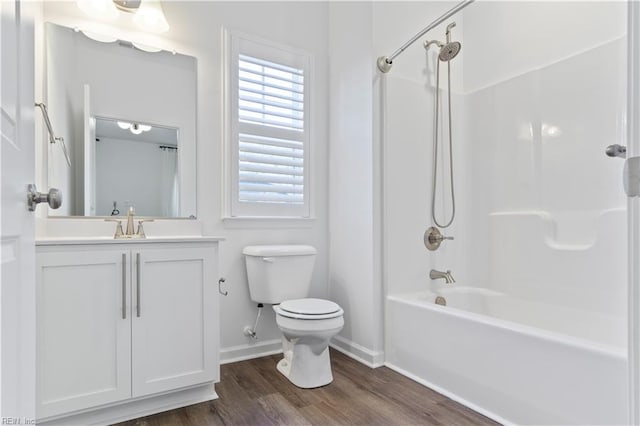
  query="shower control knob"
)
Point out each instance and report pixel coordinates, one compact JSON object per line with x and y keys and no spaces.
{"x":433,"y":238}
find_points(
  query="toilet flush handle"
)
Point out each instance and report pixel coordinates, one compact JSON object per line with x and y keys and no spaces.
{"x":267,"y":259}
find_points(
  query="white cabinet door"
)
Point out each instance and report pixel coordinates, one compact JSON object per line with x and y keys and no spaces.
{"x":84,"y":329}
{"x":174,"y":322}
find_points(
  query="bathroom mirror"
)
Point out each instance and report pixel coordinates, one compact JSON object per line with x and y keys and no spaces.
{"x":145,"y":177}
{"x":127,"y":114}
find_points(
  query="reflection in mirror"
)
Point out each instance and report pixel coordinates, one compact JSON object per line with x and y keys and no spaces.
{"x":136,"y":165}
{"x":116,"y":105}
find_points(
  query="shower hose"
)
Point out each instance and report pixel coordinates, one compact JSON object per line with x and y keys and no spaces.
{"x":435,"y":150}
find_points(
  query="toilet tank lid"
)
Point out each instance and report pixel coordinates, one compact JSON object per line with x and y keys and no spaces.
{"x":279,"y":250}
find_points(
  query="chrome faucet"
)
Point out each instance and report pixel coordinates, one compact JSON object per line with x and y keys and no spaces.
{"x":435,"y":275}
{"x":130,"y":213}
{"x":129,"y":233}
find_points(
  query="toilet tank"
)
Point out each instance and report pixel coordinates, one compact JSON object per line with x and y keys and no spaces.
{"x":279,"y":272}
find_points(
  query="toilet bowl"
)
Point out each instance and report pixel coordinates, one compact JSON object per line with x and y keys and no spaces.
{"x":307,"y":326}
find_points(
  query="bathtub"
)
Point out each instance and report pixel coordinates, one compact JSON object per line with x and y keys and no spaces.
{"x":512,"y":360}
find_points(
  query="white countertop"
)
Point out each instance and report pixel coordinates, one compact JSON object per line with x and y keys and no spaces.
{"x":58,"y":241}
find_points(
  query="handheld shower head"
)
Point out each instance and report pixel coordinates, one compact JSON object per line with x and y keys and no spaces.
{"x":449,"y":51}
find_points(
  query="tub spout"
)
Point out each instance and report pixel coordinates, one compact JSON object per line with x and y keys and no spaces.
{"x":448,"y":278}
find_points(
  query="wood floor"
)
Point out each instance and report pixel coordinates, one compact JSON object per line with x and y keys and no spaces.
{"x":254,"y":393}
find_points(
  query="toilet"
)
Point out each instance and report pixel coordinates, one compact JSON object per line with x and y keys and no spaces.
{"x":280,"y":275}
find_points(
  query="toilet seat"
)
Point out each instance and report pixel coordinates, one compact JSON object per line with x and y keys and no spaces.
{"x":309,"y":309}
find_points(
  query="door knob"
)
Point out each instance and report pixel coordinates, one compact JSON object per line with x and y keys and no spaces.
{"x":616,"y":151}
{"x":53,"y":198}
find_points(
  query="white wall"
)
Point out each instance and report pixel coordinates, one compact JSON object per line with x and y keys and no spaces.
{"x":59,"y":174}
{"x":196,"y":29}
{"x":354,"y":280}
{"x":511,"y":38}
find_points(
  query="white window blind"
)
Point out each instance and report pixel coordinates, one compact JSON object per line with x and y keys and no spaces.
{"x":270,"y":94}
{"x":270,"y":131}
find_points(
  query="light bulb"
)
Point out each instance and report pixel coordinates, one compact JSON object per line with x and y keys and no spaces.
{"x":124,"y":125}
{"x":144,"y":127}
{"x":98,"y":8}
{"x":550,"y":130}
{"x":135,"y":129}
{"x":150,"y":17}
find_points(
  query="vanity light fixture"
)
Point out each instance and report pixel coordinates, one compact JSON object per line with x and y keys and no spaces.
{"x":105,"y":9}
{"x":135,"y":128}
{"x":147,"y":14}
{"x":130,"y":6}
{"x":150,"y":17}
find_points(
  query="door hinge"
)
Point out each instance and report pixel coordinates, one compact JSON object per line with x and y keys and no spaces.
{"x":631,"y":177}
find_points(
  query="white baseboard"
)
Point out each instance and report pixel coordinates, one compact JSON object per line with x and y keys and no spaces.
{"x":127,"y":410}
{"x":450,"y":395}
{"x":250,"y":351}
{"x":361,"y":354}
{"x":373,"y":359}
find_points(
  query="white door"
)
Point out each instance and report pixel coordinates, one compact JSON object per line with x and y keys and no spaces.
{"x":17,"y":290}
{"x":633,"y":209}
{"x":174,"y":329}
{"x":84,"y":329}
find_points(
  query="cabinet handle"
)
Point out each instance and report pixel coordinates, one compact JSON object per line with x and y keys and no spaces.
{"x":124,"y":286}
{"x":138,"y":284}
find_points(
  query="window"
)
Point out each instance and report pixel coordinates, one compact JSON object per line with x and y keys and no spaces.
{"x":269,"y":129}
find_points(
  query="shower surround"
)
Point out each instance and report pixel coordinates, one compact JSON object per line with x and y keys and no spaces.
{"x":534,"y":330}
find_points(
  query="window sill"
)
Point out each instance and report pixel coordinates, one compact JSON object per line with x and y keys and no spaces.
{"x":256,"y":222}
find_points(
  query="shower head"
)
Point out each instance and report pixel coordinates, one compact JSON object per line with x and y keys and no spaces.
{"x":449,"y":51}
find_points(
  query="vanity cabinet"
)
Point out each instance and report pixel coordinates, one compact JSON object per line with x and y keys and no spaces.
{"x":121,"y":322}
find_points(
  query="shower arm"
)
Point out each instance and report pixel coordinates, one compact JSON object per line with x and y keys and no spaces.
{"x":385,"y":62}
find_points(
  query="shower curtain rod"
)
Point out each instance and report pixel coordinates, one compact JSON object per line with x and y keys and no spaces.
{"x":385,"y":62}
